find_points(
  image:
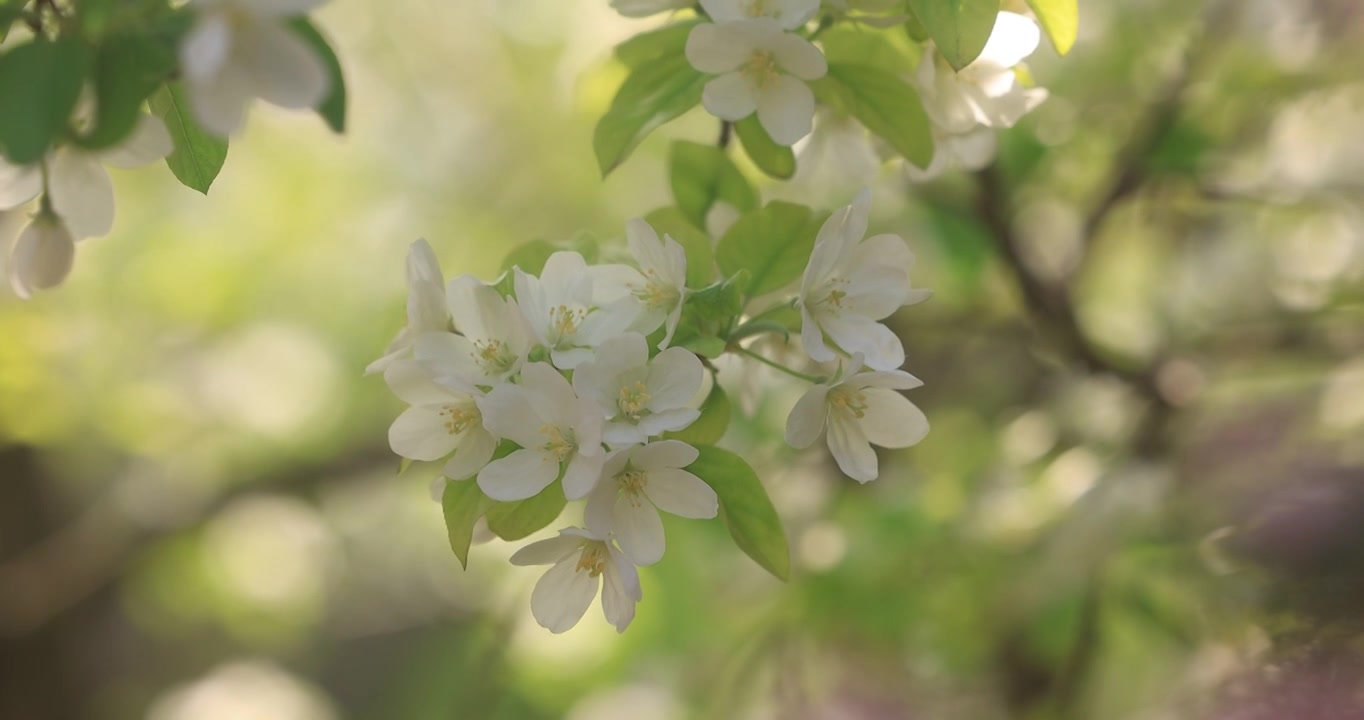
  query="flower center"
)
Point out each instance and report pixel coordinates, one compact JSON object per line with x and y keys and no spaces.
{"x":558,"y":446}
{"x":836,"y":293}
{"x":458,"y":418}
{"x":760,"y":69}
{"x":493,"y":356}
{"x":630,"y":485}
{"x":593,"y":558}
{"x":656,"y":294}
{"x":756,"y":8}
{"x":632,"y":399}
{"x":848,"y":401}
{"x":565,"y":320}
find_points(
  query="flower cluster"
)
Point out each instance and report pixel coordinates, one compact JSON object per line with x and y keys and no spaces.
{"x":566,"y":382}
{"x":966,"y":107}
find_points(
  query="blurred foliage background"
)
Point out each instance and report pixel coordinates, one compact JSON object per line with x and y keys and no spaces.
{"x":1141,"y":498}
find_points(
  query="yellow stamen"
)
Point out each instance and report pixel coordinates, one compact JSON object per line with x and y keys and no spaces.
{"x":558,"y":447}
{"x":458,"y":418}
{"x":566,"y":320}
{"x":633,"y":399}
{"x":593,"y":558}
{"x":631,"y":484}
{"x":760,"y":69}
{"x":848,"y":401}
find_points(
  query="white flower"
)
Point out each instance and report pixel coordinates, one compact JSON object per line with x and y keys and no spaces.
{"x":661,"y":284}
{"x":42,"y":256}
{"x":440,"y":421}
{"x":645,"y":8}
{"x":582,"y":560}
{"x":78,"y":186}
{"x":243,"y":49}
{"x":568,"y":311}
{"x":556,"y":429}
{"x":971,"y":150}
{"x":789,"y":14}
{"x":493,"y":343}
{"x":426,"y":307}
{"x":861,"y":410}
{"x":852,"y":283}
{"x":761,"y":68}
{"x":640,"y":397}
{"x":638,"y":482}
{"x":986,"y":92}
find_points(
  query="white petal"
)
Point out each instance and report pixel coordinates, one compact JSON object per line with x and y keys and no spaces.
{"x":148,"y":143}
{"x":620,"y":591}
{"x":582,"y":474}
{"x":530,"y":295}
{"x":286,"y":71}
{"x":806,"y":419}
{"x":1013,"y":38}
{"x":717,"y":48}
{"x":613,"y":281}
{"x":449,"y":358}
{"x":204,"y":50}
{"x":412,"y":383}
{"x":726,"y":11}
{"x":812,"y":338}
{"x":81,"y":193}
{"x":608,"y":321}
{"x":570,"y":359}
{"x":553,"y":397}
{"x":891,"y":420}
{"x":473,"y":453}
{"x":629,"y":575}
{"x":547,"y":552}
{"x":19,"y":184}
{"x":638,"y":529}
{"x":791,"y":14}
{"x":975,"y":149}
{"x":895,"y":379}
{"x":786,"y":109}
{"x":425,"y":289}
{"x":509,"y":412}
{"x":855,"y":333}
{"x":597,"y":514}
{"x":799,"y":57}
{"x":670,"y":325}
{"x":675,"y":376}
{"x":42,"y":257}
{"x":522,"y":474}
{"x":623,"y":433}
{"x":729,"y":97}
{"x":851,"y":450}
{"x":566,"y":279}
{"x":681,"y":493}
{"x":219,"y":101}
{"x":664,"y":454}
{"x":419,"y":433}
{"x":667,"y":421}
{"x":561,"y":597}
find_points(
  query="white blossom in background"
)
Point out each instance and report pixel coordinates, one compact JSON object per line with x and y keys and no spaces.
{"x":239,"y":50}
{"x":440,"y":421}
{"x":860,"y":410}
{"x":638,"y":482}
{"x":986,"y":92}
{"x":639,"y":397}
{"x":556,"y":429}
{"x":971,"y":150}
{"x":78,"y":186}
{"x":788,"y":14}
{"x":582,"y":561}
{"x":660,"y":283}
{"x":42,"y":256}
{"x":493,"y":340}
{"x":566,"y":310}
{"x":426,"y":306}
{"x":645,"y":8}
{"x":850,"y":285}
{"x":761,"y":69}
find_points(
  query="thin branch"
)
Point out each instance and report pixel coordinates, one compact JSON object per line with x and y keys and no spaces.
{"x":726,"y":132}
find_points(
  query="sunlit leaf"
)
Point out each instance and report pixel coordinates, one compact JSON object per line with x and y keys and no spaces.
{"x":128,"y":69}
{"x":198,"y":154}
{"x":1061,"y":21}
{"x":883,"y":103}
{"x":773,"y":244}
{"x":958,"y":27}
{"x":463,"y":504}
{"x":333,"y":107}
{"x":701,"y":175}
{"x":39,"y":84}
{"x":748,"y":512}
{"x":667,"y":40}
{"x":656,"y":91}
{"x":714,"y":420}
{"x":516,"y":520}
{"x":778,"y":161}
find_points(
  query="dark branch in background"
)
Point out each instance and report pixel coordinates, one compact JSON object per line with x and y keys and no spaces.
{"x":726,"y":132}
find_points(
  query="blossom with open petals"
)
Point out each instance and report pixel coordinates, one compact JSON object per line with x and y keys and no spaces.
{"x":762,"y":69}
{"x":426,"y":307}
{"x":638,"y":482}
{"x":858,"y":411}
{"x":239,"y":50}
{"x":557,"y":431}
{"x":42,"y":256}
{"x":660,"y":286}
{"x":582,"y":561}
{"x":493,"y":339}
{"x":441,"y":421}
{"x":789,"y":14}
{"x":852,"y":283}
{"x":567,"y":312}
{"x":987,"y":91}
{"x":639,"y":397}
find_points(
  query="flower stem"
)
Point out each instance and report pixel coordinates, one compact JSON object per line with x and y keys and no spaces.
{"x":776,"y":365}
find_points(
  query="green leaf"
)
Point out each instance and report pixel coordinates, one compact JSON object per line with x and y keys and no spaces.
{"x":333,"y":107}
{"x":198,"y":153}
{"x":884,"y":103}
{"x":516,"y":520}
{"x":958,"y":27}
{"x":39,"y":84}
{"x":1060,"y":19}
{"x":855,"y":45}
{"x":128,"y":69}
{"x":773,"y":244}
{"x":463,"y":504}
{"x":778,"y":161}
{"x":711,"y":426}
{"x":667,"y":40}
{"x":10,"y":12}
{"x":703,"y":174}
{"x":707,"y":346}
{"x":700,"y":255}
{"x":748,"y":512}
{"x":708,"y":315}
{"x":531,"y":256}
{"x":656,"y":91}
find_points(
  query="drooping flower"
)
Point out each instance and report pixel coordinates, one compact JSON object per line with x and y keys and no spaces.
{"x":858,"y":411}
{"x":789,"y":14}
{"x":493,"y":340}
{"x":761,"y":68}
{"x":426,"y":306}
{"x":850,"y":284}
{"x":440,"y":421}
{"x":986,"y":92}
{"x":78,"y":186}
{"x":567,"y":313}
{"x":556,"y":429}
{"x":639,"y":397}
{"x":582,"y":561}
{"x":42,"y":256}
{"x":645,"y":8}
{"x":239,"y":50}
{"x":638,"y":482}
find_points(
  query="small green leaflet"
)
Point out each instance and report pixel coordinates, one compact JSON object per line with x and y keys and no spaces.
{"x":958,"y":27}
{"x":883,"y":103}
{"x":667,"y":40}
{"x":711,"y":426}
{"x":198,"y":154}
{"x":128,"y":69}
{"x":748,"y":512}
{"x":777,"y":161}
{"x":1060,"y":19}
{"x":656,"y":91}
{"x":701,"y":175}
{"x":531,"y":256}
{"x":517,"y":520}
{"x":39,"y":82}
{"x":463,"y":504}
{"x":333,"y":107}
{"x":773,"y":244}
